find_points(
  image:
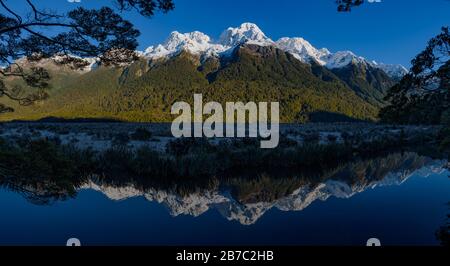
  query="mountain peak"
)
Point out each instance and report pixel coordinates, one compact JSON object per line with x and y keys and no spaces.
{"x":246,"y":33}
{"x":343,"y":58}
{"x":198,"y":43}
{"x":395,"y":71}
{"x":194,"y":42}
{"x":302,"y":49}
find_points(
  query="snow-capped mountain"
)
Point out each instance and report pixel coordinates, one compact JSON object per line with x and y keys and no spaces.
{"x":303,"y":50}
{"x":246,"y":33}
{"x":342,"y":59}
{"x":394,"y":71}
{"x":196,"y":43}
{"x":201,"y":44}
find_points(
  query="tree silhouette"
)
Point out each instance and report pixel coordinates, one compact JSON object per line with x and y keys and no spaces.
{"x":427,"y":85}
{"x":443,"y":233}
{"x":347,"y":5}
{"x":82,"y":32}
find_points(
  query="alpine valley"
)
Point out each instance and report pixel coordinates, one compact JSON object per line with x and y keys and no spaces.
{"x":242,"y":65}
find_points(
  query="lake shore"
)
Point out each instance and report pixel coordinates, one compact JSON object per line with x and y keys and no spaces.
{"x":100,"y":136}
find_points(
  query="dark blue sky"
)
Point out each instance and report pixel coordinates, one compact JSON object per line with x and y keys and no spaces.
{"x":392,"y":31}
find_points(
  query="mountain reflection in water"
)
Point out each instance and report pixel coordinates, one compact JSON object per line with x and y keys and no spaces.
{"x":241,"y":198}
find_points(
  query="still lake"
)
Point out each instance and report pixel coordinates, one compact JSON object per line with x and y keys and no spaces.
{"x":403,"y":204}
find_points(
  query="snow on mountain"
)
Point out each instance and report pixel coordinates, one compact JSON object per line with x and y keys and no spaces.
{"x":194,"y":42}
{"x":246,"y":33}
{"x":93,"y":63}
{"x":394,"y":71}
{"x":201,"y":44}
{"x":79,"y":64}
{"x":303,"y":50}
{"x":342,"y":59}
{"x":198,"y":43}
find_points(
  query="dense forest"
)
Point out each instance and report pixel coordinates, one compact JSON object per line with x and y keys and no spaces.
{"x":145,"y":91}
{"x":423,"y":95}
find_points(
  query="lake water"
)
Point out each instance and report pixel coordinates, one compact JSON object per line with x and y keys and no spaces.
{"x":400,"y":199}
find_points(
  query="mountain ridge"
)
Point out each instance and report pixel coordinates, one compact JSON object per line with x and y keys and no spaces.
{"x":201,"y":44}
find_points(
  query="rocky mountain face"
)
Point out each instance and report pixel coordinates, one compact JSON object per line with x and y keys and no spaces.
{"x":370,"y":83}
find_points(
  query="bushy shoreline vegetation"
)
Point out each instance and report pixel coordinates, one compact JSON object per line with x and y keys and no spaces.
{"x":185,"y":159}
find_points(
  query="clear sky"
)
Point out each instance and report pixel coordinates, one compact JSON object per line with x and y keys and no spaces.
{"x":392,"y":31}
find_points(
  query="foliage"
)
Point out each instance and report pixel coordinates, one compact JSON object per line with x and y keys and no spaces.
{"x":347,"y":5}
{"x":445,"y":138}
{"x":368,"y":82}
{"x":423,"y":95}
{"x":141,"y":134}
{"x":443,"y":233}
{"x":80,"y":33}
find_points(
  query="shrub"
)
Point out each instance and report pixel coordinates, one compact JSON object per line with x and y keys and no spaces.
{"x":150,"y":163}
{"x":115,"y":162}
{"x":312,"y":137}
{"x":331,"y":138}
{"x":182,"y":146}
{"x":141,"y":134}
{"x":120,"y":139}
{"x":445,"y":117}
{"x":445,"y":143}
{"x":37,"y":158}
